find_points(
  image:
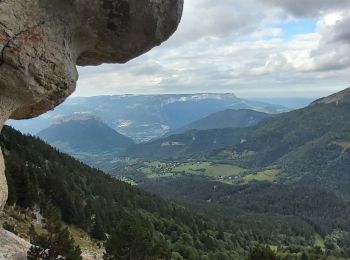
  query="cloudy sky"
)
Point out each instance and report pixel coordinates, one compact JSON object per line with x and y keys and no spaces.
{"x":254,"y":48}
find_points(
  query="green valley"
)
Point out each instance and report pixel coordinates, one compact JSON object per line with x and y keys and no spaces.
{"x":291,"y":169}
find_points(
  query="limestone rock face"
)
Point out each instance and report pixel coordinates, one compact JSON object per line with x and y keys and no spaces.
{"x":42,"y":41}
{"x":12,"y":247}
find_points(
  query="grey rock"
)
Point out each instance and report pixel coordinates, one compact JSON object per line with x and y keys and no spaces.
{"x":12,"y":247}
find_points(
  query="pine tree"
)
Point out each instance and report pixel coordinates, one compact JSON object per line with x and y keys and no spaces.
{"x":134,"y":238}
{"x":97,"y":230}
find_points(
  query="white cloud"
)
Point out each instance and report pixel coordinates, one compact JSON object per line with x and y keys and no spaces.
{"x":308,"y":8}
{"x":331,"y":19}
{"x":239,"y":46}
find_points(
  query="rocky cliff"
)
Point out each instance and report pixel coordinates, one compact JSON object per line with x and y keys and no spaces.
{"x":41,"y":42}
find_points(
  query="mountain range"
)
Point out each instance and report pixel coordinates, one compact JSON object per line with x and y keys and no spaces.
{"x":323,"y":122}
{"x":309,"y":144}
{"x":145,"y":117}
{"x":89,"y":139}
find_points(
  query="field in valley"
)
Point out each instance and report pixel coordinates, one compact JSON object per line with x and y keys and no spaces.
{"x":226,"y":173}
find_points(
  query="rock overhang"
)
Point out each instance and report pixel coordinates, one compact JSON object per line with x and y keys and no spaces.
{"x":42,"y":41}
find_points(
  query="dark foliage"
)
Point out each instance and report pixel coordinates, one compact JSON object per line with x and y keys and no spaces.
{"x":262,"y":253}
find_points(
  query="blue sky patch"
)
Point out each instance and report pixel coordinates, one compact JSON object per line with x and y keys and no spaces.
{"x":298,"y":27}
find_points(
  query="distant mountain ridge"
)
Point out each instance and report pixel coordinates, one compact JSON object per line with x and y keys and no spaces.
{"x":145,"y":117}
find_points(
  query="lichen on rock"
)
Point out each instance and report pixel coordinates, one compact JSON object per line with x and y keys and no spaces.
{"x":42,"y":41}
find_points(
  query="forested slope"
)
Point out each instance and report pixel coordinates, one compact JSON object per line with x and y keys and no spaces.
{"x":98,"y":203}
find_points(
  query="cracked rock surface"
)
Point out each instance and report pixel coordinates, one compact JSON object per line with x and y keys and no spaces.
{"x":42,"y":41}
